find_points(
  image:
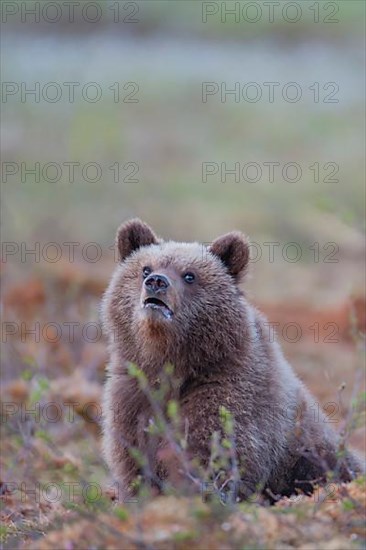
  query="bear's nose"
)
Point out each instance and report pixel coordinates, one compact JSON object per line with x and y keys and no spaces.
{"x":156,"y":283}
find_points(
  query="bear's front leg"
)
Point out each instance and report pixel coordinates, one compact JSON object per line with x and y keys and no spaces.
{"x":244,"y":471}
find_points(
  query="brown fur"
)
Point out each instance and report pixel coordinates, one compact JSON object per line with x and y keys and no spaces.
{"x":219,"y":347}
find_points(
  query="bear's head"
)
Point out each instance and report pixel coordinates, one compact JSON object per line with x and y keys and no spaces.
{"x":173,"y":302}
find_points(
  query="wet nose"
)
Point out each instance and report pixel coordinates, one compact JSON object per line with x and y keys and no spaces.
{"x":156,"y":283}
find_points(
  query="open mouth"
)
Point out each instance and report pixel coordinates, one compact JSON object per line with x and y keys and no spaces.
{"x":158,"y":305}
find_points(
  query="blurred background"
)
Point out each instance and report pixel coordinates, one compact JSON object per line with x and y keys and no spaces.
{"x":133,"y":114}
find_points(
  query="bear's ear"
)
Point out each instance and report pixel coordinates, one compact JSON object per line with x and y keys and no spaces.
{"x":233,"y":251}
{"x":132,"y":235}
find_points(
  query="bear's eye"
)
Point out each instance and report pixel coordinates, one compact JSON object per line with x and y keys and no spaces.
{"x":146,"y":272}
{"x":189,"y":277}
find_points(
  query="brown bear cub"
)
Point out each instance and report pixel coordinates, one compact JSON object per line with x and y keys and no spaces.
{"x":181,"y":304}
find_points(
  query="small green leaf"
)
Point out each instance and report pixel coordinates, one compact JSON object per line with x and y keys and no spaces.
{"x":173,"y":409}
{"x":42,"y":434}
{"x":121,"y":513}
{"x":348,"y":505}
{"x":27,"y":375}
